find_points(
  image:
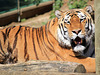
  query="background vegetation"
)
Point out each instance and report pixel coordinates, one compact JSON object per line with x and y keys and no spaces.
{"x":56,"y":6}
{"x":77,"y":4}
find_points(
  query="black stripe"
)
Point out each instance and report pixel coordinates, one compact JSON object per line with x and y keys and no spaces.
{"x":9,"y":49}
{"x":47,"y":36}
{"x":2,"y":49}
{"x":16,"y":36}
{"x":62,"y":26}
{"x":34,"y":44}
{"x":85,"y":51}
{"x":88,"y":25}
{"x":91,"y":23}
{"x":41,"y":38}
{"x":8,"y":32}
{"x":60,"y":29}
{"x":68,"y":13}
{"x":13,"y":27}
{"x":18,"y":31}
{"x":62,"y":33}
{"x":68,"y":22}
{"x":65,"y":31}
{"x":15,"y":42}
{"x":37,"y":32}
{"x":44,"y":43}
{"x":25,"y":44}
{"x":40,"y":35}
{"x":72,"y":15}
{"x":21,"y":30}
{"x":63,"y":19}
{"x":29,"y":31}
{"x":4,"y":36}
{"x":2,"y":55}
{"x":81,"y":20}
{"x":51,"y":44}
{"x":78,"y":11}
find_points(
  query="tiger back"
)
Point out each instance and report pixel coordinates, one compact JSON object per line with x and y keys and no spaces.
{"x":68,"y":37}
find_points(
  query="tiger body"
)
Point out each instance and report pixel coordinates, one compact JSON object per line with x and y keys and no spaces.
{"x":54,"y":41}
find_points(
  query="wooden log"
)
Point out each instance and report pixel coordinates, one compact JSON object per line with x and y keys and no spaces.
{"x":41,"y":73}
{"x":44,"y":67}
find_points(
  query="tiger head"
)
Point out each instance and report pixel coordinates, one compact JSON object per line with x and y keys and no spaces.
{"x":76,"y":29}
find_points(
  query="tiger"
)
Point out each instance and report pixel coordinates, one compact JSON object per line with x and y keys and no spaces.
{"x":67,"y":37}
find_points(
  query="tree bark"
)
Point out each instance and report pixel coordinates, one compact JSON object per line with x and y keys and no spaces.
{"x":97,"y":35}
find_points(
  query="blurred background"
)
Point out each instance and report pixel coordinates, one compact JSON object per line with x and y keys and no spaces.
{"x":35,"y":13}
{"x":10,"y":5}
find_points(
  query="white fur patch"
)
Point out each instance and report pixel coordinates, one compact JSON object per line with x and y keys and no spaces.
{"x":93,"y":28}
{"x":90,"y":35}
{"x":62,"y":41}
{"x":79,"y":48}
{"x":67,"y":18}
{"x":74,"y":36}
{"x":79,"y":35}
{"x":81,"y":15}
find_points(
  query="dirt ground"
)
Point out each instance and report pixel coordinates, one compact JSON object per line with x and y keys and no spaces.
{"x":42,"y":19}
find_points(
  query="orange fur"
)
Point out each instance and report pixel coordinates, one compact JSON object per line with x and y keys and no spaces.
{"x":21,"y":44}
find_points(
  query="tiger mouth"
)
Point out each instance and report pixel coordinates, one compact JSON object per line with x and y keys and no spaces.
{"x":78,"y":41}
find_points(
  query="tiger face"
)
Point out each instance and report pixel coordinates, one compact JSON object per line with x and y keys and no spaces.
{"x":76,"y":29}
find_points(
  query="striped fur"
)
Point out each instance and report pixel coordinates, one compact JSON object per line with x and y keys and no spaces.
{"x":49,"y":42}
{"x":76,"y":30}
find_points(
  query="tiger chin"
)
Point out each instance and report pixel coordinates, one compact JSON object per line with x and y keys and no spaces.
{"x":63,"y":38}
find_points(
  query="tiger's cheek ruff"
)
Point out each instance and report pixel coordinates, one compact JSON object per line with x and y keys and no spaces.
{"x":63,"y":37}
{"x":90,"y":30}
{"x":89,"y":27}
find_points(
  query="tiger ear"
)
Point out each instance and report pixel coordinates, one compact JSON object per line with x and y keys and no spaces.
{"x":58,"y":13}
{"x":89,"y":9}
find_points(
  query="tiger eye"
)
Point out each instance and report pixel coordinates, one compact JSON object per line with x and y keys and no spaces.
{"x":68,"y":22}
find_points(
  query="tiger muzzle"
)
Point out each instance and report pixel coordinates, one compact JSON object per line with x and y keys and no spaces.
{"x":78,"y":41}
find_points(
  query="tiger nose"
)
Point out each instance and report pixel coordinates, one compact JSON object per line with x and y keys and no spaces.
{"x":76,"y":31}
